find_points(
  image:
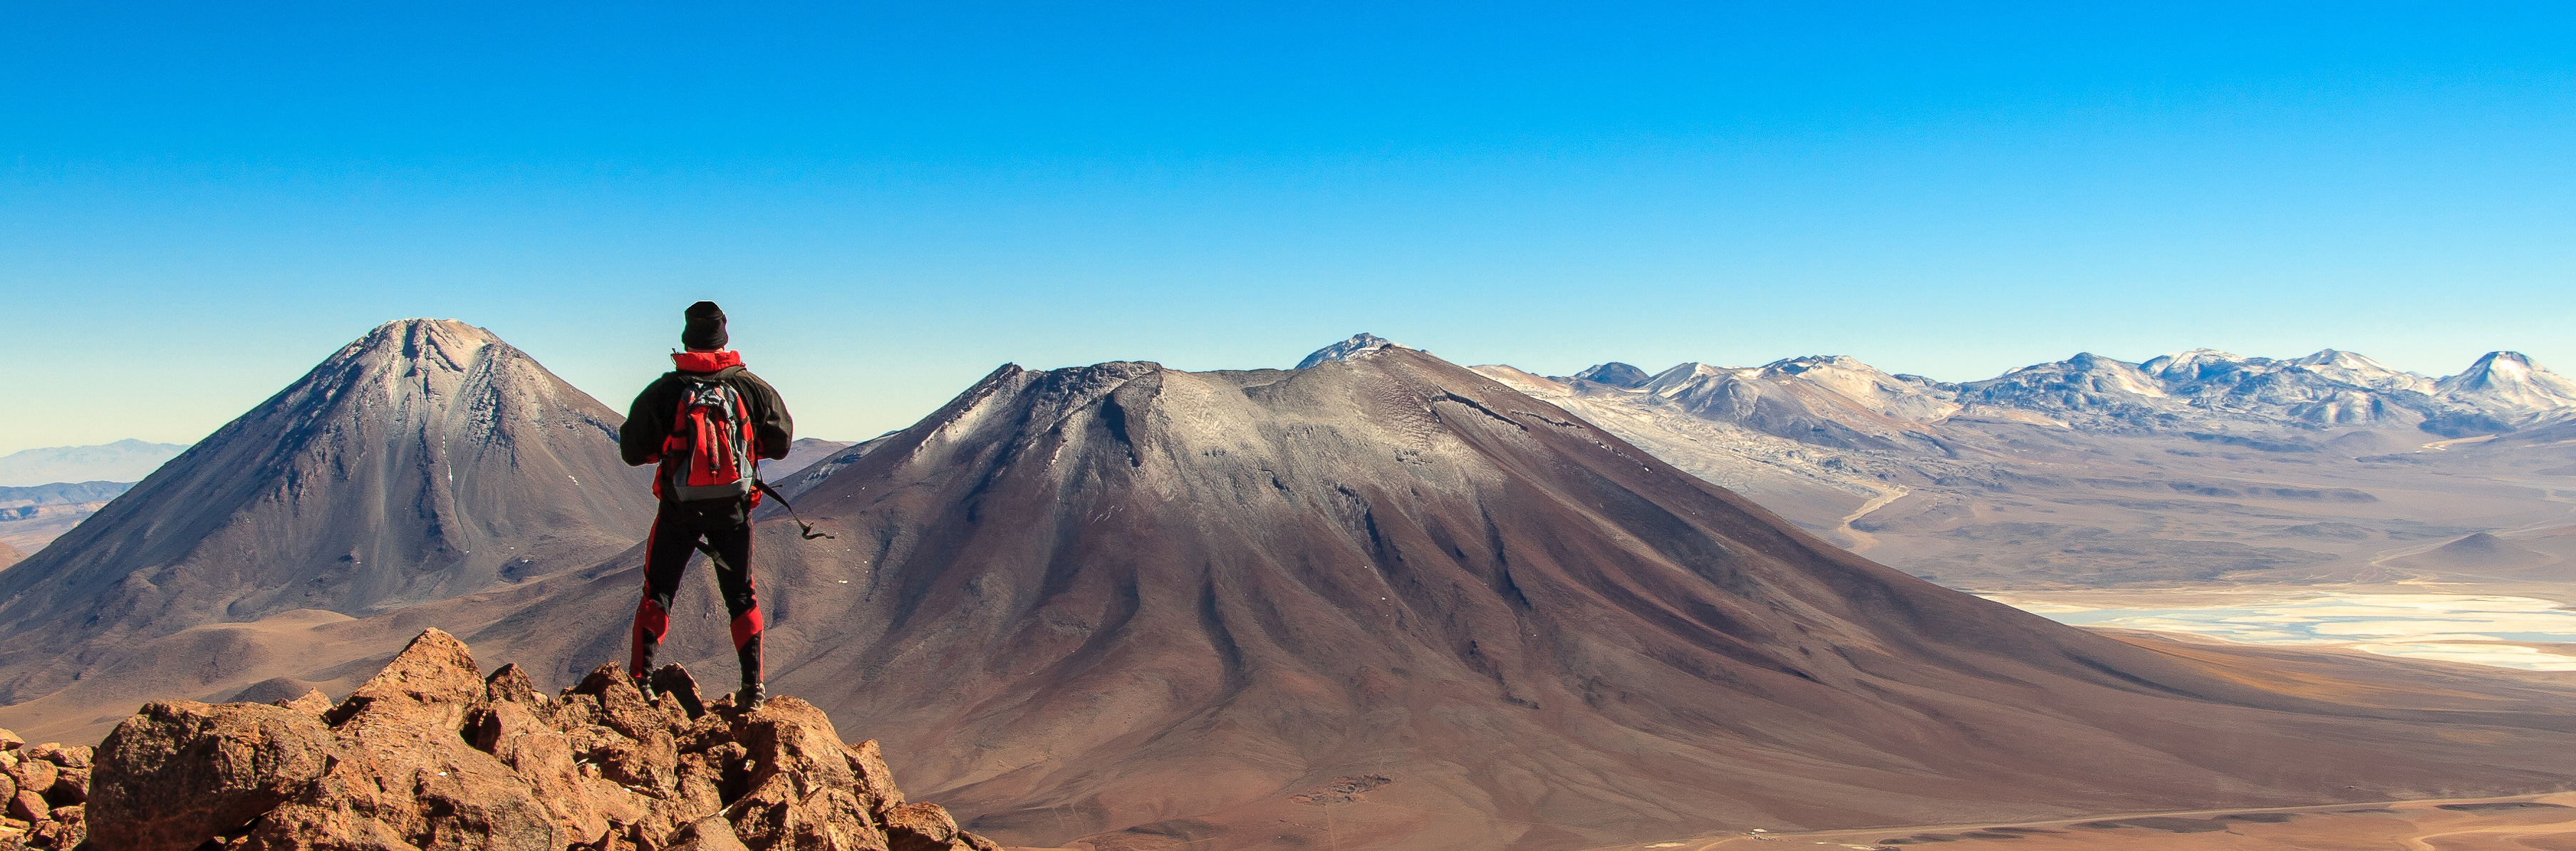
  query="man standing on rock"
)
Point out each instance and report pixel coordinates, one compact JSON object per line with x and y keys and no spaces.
{"x":707,"y":423}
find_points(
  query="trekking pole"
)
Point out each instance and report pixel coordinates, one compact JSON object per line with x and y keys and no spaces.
{"x":807,"y":528}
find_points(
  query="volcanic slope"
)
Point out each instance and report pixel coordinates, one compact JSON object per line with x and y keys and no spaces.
{"x":1388,"y":602}
{"x":425,"y":460}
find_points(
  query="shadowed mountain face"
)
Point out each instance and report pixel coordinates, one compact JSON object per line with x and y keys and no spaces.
{"x":421,"y":462}
{"x":1388,"y":602}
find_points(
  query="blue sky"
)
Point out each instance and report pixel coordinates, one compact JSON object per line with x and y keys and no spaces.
{"x":197,"y":203}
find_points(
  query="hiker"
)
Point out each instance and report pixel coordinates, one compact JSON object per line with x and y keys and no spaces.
{"x":707,"y":423}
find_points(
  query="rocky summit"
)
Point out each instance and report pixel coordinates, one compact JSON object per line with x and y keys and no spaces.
{"x":431,"y":754}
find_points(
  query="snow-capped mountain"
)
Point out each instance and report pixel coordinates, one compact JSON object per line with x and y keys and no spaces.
{"x":1615,"y":374}
{"x":2192,"y":467}
{"x":1345,"y":349}
{"x":2352,"y":368}
{"x":2198,"y":389}
{"x":1830,"y":400}
{"x":2510,"y":383}
{"x":2098,"y":391}
{"x":2327,"y":388}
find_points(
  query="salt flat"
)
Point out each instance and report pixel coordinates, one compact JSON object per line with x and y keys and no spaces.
{"x":2485,"y":629}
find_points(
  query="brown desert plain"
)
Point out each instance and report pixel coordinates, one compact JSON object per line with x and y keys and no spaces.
{"x":1386,"y":602}
{"x":2523,"y":823}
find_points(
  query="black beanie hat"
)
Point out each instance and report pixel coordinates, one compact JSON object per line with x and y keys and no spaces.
{"x":705,"y":328}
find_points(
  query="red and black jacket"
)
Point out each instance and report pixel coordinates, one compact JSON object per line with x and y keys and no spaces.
{"x":648,"y":421}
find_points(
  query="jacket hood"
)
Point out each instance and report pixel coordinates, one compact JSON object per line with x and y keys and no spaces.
{"x":705,"y":361}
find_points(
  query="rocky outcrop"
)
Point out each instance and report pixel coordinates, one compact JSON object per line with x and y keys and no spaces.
{"x":45,"y":792}
{"x":431,"y":754}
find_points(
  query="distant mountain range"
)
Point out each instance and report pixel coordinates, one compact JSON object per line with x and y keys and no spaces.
{"x":121,"y":461}
{"x":1816,"y":397}
{"x":2196,"y":467}
{"x":800,"y":455}
{"x":31,"y":517}
{"x":59,"y":493}
{"x":1835,"y":400}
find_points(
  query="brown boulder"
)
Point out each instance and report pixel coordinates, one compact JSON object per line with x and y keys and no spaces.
{"x":313,"y":703}
{"x":789,"y":736}
{"x":65,"y":827}
{"x":511,"y":684}
{"x":868,"y":768}
{"x":920,"y":827}
{"x":674,"y":681}
{"x":27,"y":806}
{"x":622,"y":707}
{"x":34,"y":775}
{"x":57,"y":754}
{"x":488,"y":725}
{"x":712,"y":833}
{"x":542,"y":759}
{"x":405,"y":771}
{"x":179,"y":772}
{"x":431,"y":683}
{"x":777,"y":817}
{"x":422,"y":794}
{"x":71,"y":787}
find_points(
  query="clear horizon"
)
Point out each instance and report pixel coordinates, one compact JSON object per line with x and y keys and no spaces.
{"x":196,"y":205}
{"x":805,"y":429}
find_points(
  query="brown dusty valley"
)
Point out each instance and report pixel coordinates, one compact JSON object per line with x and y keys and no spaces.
{"x":2522,"y":823}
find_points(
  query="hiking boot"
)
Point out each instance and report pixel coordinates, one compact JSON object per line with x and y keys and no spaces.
{"x":750,"y":697}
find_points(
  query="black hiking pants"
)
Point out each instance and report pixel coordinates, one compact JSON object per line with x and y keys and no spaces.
{"x":666,"y":558}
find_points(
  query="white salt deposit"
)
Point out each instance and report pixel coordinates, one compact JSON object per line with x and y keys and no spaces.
{"x":2479,"y":629}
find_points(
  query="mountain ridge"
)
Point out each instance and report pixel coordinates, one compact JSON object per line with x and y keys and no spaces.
{"x":2200,"y":467}
{"x":2500,"y":392}
{"x":124,"y":460}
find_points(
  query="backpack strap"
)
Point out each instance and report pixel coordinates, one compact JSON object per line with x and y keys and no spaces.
{"x":808,"y":528}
